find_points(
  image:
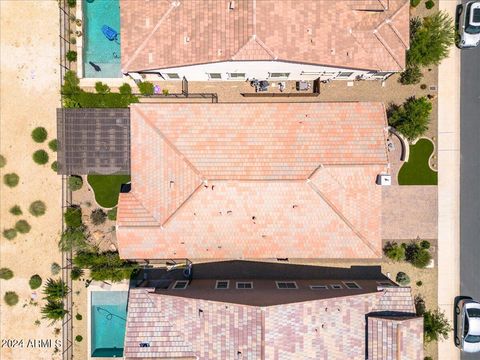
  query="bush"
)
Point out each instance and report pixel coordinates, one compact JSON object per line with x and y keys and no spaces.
{"x":125,"y":89}
{"x":78,"y":338}
{"x":9,"y":234}
{"x":72,"y":3}
{"x":411,"y":75}
{"x":412,"y":118}
{"x":417,"y":256}
{"x":419,"y":305}
{"x":98,"y":216}
{"x":427,"y":358}
{"x":146,"y":88}
{"x":78,"y":317}
{"x":40,"y":157}
{"x":22,"y":226}
{"x":35,"y":282}
{"x":435,"y":326}
{"x":71,"y":55}
{"x":37,"y":208}
{"x":54,"y":166}
{"x":54,"y":310}
{"x":101,"y":88}
{"x":70,"y":85}
{"x":402,"y":278}
{"x":423,"y":86}
{"x":6,"y":274}
{"x":105,"y":266}
{"x":419,"y":283}
{"x":414,"y":3}
{"x":55,"y":289}
{"x":76,"y":273}
{"x":112,"y":214}
{"x":16,"y":210}
{"x":3,"y":161}
{"x":39,"y":134}
{"x":93,"y":100}
{"x":53,"y":145}
{"x":75,"y":182}
{"x":424,"y":244}
{"x":394,"y":252}
{"x":11,"y":298}
{"x":73,"y":217}
{"x":72,"y":239}
{"x":55,"y":268}
{"x":11,"y":179}
{"x":430,"y":41}
{"x":429,"y":4}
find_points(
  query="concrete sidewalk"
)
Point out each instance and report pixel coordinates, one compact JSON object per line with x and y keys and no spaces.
{"x":448,"y":186}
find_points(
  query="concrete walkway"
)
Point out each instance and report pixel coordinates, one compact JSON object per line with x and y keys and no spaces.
{"x":448,"y":186}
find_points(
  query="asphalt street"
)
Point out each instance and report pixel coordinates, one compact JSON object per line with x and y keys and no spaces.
{"x":470,"y":177}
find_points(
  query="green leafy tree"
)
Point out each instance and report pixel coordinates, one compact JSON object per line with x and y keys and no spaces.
{"x":430,"y":42}
{"x":105,"y":265}
{"x":125,"y":89}
{"x":71,"y":84}
{"x":411,"y":75}
{"x":146,"y":88}
{"x":35,"y":282}
{"x":412,"y":118}
{"x":55,"y":289}
{"x":6,"y":274}
{"x":40,"y":157}
{"x":435,"y":326}
{"x":101,"y":88}
{"x":39,"y":134}
{"x":75,"y":182}
{"x":73,"y":217}
{"x":402,"y":278}
{"x":72,"y":239}
{"x":71,"y":55}
{"x":394,"y":252}
{"x":417,"y":256}
{"x":98,"y":216}
{"x":76,"y":273}
{"x":54,"y":310}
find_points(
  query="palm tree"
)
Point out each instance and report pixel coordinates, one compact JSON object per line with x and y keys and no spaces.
{"x":54,"y":310}
{"x":55,"y":289}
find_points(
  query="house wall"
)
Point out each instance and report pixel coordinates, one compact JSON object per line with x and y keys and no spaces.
{"x":262,"y":70}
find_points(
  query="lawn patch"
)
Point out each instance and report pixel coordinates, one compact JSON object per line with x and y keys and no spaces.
{"x":417,"y":170}
{"x":107,"y":188}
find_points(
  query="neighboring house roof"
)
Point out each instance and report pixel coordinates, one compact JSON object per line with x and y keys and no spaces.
{"x":363,"y":34}
{"x":250,"y":181}
{"x":318,"y":329}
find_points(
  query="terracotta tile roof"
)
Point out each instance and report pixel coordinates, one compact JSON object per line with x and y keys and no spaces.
{"x":332,"y":328}
{"x":364,"y":34}
{"x":288,"y":180}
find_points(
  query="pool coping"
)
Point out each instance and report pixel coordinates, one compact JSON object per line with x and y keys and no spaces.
{"x":96,"y":286}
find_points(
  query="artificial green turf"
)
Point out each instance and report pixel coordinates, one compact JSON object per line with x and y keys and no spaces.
{"x":107,"y":188}
{"x":417,"y":171}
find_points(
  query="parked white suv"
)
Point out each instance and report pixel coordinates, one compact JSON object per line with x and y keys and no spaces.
{"x":467,"y":329}
{"x":469,"y":25}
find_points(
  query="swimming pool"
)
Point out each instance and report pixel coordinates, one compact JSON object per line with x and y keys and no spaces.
{"x":108,"y":322}
{"x":98,"y":50}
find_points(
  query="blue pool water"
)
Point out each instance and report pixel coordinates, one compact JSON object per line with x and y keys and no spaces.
{"x":97,"y":48}
{"x":109,"y":320}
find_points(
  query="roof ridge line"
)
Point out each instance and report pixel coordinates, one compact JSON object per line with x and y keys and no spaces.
{"x":173,"y":5}
{"x":253,"y":38}
{"x":388,"y":21}
{"x":265,"y":47}
{"x":341,"y":216}
{"x":386,"y":46}
{"x":171,"y":216}
{"x":132,"y":194}
{"x":361,"y":45}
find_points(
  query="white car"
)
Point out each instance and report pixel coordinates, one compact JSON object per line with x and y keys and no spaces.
{"x":467,"y":331}
{"x":469,"y":25}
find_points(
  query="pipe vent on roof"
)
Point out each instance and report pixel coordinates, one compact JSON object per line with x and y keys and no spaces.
{"x":186,"y":39}
{"x":176,"y":3}
{"x":231,"y":5}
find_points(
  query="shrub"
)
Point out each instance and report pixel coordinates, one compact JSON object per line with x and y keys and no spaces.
{"x":39,"y":134}
{"x":419,"y":283}
{"x":435,"y":326}
{"x":105,"y":266}
{"x":35,"y":282}
{"x":92,"y":100}
{"x":73,"y":40}
{"x":125,"y":89}
{"x":414,"y":3}
{"x":394,"y":252}
{"x":22,"y":226}
{"x":16,"y":210}
{"x":412,"y":118}
{"x":73,"y":217}
{"x":11,"y":179}
{"x":411,"y":75}
{"x":72,"y":239}
{"x":75,"y":182}
{"x":78,"y":338}
{"x":53,"y":145}
{"x":78,"y":317}
{"x":40,"y":157}
{"x":429,"y":4}
{"x":424,"y":244}
{"x":6,"y":274}
{"x":165,"y":92}
{"x":146,"y":88}
{"x":55,"y":268}
{"x":71,"y":55}
{"x":9,"y":234}
{"x":423,"y":86}
{"x":112,"y":214}
{"x":72,"y":3}
{"x":98,"y":216}
{"x":76,"y":273}
{"x":54,"y":310}
{"x":54,"y":166}
{"x":419,"y":305}
{"x":11,"y":298}
{"x":402,"y":278}
{"x":70,"y":85}
{"x":430,"y":41}
{"x":427,"y":358}
{"x":37,"y":208}
{"x":101,"y":88}
{"x":3,"y":161}
{"x":417,"y":256}
{"x":55,"y":289}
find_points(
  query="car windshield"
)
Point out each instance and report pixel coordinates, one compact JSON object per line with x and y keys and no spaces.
{"x":473,"y":312}
{"x":473,"y":338}
{"x":470,"y":28}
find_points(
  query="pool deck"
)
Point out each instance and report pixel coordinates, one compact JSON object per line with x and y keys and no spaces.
{"x":99,"y":286}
